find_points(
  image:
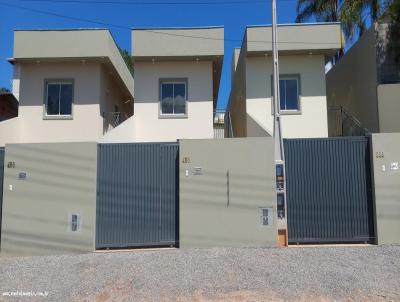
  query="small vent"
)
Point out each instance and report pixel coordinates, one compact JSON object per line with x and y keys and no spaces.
{"x":265,"y":216}
{"x":74,"y":223}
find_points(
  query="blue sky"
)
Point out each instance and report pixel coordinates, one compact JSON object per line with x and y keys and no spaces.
{"x":234,"y":17}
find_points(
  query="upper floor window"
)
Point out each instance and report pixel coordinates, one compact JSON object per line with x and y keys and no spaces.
{"x":289,"y":87}
{"x":59,"y":95}
{"x":173,"y":96}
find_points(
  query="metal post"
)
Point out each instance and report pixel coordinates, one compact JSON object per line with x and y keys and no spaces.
{"x":279,"y":156}
{"x":279,"y":150}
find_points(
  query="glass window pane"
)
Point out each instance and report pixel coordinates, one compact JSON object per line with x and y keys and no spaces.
{"x":180,"y":98}
{"x":66,"y":99}
{"x":282,"y":90}
{"x":167,"y":98}
{"x":53,"y":92}
{"x":292,"y":95}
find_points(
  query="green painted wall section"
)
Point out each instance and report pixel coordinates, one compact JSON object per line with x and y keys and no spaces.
{"x":389,"y":107}
{"x":60,"y":181}
{"x":219,"y":204}
{"x":386,"y":153}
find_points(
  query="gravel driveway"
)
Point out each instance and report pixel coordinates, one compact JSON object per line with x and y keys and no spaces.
{"x":361,"y":273}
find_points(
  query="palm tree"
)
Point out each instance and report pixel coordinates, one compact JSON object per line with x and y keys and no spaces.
{"x":321,"y":10}
{"x":355,"y":13}
{"x":352,"y":13}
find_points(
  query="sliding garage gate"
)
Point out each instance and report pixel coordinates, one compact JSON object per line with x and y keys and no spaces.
{"x":137,"y":195}
{"x":329,"y":194}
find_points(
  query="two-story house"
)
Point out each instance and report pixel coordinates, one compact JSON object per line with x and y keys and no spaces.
{"x":177,"y":75}
{"x":303,"y":53}
{"x":70,"y":85}
{"x":74,"y":86}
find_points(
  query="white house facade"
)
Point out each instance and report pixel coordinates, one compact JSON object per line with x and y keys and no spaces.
{"x":303,"y":49}
{"x":177,"y":74}
{"x":86,"y":92}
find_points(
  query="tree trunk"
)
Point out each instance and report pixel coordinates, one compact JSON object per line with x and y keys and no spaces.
{"x":335,"y":10}
{"x":374,"y":10}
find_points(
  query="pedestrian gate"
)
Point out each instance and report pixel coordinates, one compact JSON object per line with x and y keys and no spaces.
{"x":329,"y":194}
{"x":137,"y":195}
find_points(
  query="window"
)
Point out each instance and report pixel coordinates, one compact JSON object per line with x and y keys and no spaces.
{"x":59,"y":96}
{"x":173,"y":97}
{"x":289,"y":93}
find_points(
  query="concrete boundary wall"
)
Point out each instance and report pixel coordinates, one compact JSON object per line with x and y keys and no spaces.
{"x":44,"y":184}
{"x":223,"y":186}
{"x":386,"y":176}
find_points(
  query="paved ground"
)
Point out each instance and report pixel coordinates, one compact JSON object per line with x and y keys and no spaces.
{"x":370,"y":273}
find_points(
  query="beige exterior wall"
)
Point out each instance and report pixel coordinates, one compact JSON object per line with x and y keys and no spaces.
{"x":199,"y":121}
{"x":81,"y":44}
{"x":312,"y":120}
{"x":86,"y":122}
{"x":250,"y":100}
{"x":60,"y":180}
{"x":95,"y":91}
{"x":385,"y":153}
{"x":389,"y":107}
{"x":352,"y":83}
{"x":10,"y":131}
{"x":241,"y":168}
{"x":147,"y":125}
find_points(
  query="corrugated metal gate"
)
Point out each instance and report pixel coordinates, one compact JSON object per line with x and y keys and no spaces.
{"x":329,"y":193}
{"x":1,"y":183}
{"x":137,"y":195}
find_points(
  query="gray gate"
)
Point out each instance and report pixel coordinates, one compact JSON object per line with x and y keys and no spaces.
{"x":1,"y":183}
{"x":137,"y":195}
{"x":329,"y":195}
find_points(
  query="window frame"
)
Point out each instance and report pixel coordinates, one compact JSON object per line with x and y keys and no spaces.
{"x":296,"y":77}
{"x":172,"y":81}
{"x":45,"y":94}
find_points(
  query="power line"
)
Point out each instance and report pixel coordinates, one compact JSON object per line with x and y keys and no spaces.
{"x":64,"y":16}
{"x":232,"y":2}
{"x":148,"y":30}
{"x":232,"y":40}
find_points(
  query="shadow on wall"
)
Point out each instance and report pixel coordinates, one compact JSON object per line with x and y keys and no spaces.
{"x":254,"y":129}
{"x":28,"y":243}
{"x":59,"y":180}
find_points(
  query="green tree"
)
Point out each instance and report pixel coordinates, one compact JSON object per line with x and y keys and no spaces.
{"x":321,"y":10}
{"x":394,"y":29}
{"x":127,"y":58}
{"x":355,"y":13}
{"x":4,"y":90}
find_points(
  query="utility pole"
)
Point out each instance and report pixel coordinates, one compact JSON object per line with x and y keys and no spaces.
{"x":279,"y":149}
